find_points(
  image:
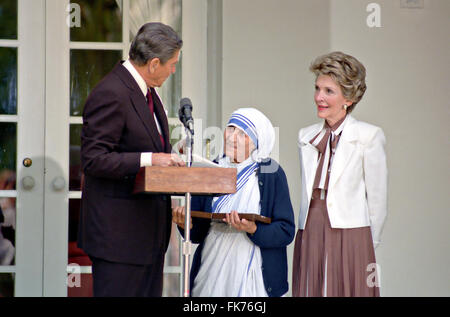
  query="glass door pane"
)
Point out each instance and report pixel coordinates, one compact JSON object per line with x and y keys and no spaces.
{"x":8,"y":80}
{"x":6,"y":284}
{"x":8,"y":19}
{"x":168,"y":12}
{"x":87,"y":68}
{"x":7,"y":231}
{"x":101,"y":21}
{"x":8,"y":154}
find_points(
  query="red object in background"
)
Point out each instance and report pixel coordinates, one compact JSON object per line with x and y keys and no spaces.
{"x":77,"y":256}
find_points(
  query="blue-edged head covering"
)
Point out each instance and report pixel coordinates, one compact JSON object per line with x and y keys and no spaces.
{"x":258,"y":127}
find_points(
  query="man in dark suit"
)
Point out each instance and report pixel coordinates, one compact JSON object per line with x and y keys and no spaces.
{"x":125,"y":128}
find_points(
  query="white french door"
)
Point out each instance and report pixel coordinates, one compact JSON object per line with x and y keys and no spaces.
{"x":53,"y":62}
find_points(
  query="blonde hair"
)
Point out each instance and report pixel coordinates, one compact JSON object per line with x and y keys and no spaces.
{"x":346,"y":71}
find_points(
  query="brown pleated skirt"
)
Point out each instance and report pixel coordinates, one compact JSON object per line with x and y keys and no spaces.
{"x":333,"y":262}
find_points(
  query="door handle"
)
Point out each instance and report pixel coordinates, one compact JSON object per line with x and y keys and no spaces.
{"x":59,"y":183}
{"x":27,"y":162}
{"x":28,"y":183}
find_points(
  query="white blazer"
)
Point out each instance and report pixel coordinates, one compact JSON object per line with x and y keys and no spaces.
{"x":357,"y":190}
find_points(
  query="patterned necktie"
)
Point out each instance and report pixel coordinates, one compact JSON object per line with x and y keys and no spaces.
{"x":152,"y":112}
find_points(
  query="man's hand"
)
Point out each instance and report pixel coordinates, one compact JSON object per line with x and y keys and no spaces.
{"x":166,"y":159}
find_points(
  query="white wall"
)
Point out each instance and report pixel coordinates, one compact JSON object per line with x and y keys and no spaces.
{"x":407,"y":61}
{"x":268,"y":46}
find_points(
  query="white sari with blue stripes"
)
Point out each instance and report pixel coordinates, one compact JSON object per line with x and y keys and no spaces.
{"x":231,"y":263}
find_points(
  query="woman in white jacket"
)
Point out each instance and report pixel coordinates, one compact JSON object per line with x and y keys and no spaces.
{"x":344,"y":188}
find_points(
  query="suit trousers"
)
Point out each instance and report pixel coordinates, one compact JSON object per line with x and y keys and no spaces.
{"x":127,"y":280}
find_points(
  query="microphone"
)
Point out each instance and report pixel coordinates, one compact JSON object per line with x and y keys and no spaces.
{"x":185,"y":114}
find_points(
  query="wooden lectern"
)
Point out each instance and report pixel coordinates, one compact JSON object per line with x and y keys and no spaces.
{"x":182,"y":180}
{"x":186,"y":181}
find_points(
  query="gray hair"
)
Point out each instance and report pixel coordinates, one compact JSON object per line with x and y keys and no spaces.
{"x":154,"y":40}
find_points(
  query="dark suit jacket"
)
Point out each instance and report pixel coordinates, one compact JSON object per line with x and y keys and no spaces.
{"x":116,"y":225}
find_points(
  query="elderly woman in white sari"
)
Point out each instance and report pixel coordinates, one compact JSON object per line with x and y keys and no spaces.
{"x":237,"y":257}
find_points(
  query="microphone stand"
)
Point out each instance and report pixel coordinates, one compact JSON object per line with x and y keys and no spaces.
{"x":187,"y":220}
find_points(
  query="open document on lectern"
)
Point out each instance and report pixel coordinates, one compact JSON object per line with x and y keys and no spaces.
{"x":199,"y":161}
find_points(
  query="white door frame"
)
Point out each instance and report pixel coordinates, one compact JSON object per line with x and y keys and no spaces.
{"x":56,"y":148}
{"x":30,"y":140}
